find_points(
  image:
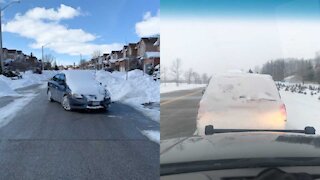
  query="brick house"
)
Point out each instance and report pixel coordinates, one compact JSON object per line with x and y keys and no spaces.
{"x":123,"y":61}
{"x":149,"y":53}
{"x":105,"y":60}
{"x":114,"y":60}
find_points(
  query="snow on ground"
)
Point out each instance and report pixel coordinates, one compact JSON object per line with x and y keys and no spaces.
{"x":7,"y":85}
{"x":302,"y":110}
{"x":169,"y":87}
{"x":8,"y":112}
{"x":152,"y":135}
{"x":5,"y":89}
{"x":136,"y":91}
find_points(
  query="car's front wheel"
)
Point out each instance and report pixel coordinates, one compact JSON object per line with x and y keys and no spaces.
{"x":66,"y":103}
{"x":49,"y":96}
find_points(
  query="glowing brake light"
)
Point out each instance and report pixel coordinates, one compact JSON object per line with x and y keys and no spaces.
{"x":283,"y":111}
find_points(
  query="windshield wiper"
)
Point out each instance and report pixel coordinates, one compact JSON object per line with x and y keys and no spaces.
{"x":209,"y":130}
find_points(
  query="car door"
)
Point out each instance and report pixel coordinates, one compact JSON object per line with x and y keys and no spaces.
{"x":52,"y":85}
{"x":61,"y":87}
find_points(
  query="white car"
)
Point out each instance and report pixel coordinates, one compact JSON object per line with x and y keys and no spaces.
{"x":241,"y":101}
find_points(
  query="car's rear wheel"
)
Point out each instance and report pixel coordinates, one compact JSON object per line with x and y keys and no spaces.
{"x":49,"y":96}
{"x":66,"y":103}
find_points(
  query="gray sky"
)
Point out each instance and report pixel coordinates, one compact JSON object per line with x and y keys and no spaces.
{"x":214,"y":45}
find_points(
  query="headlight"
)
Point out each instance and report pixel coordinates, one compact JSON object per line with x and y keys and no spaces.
{"x":77,"y":96}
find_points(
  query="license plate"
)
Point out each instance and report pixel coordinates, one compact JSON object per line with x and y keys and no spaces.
{"x":95,"y":103}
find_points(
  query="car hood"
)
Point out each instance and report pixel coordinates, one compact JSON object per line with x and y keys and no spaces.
{"x":237,"y":146}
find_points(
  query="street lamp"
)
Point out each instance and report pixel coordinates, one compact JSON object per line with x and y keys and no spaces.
{"x":1,"y":52}
{"x":42,"y":54}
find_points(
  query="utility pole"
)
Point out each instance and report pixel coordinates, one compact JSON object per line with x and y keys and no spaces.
{"x":1,"y":51}
{"x":43,"y":55}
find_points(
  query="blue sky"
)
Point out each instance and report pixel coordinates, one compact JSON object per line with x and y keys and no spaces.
{"x":109,"y":23}
{"x":242,"y":8}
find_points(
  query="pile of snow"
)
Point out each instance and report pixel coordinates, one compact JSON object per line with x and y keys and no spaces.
{"x":7,"y":85}
{"x":170,"y":87}
{"x":5,"y":89}
{"x":137,"y":90}
{"x":152,"y":135}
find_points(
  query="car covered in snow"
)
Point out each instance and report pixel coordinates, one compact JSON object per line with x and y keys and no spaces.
{"x":78,"y":89}
{"x":241,"y":100}
{"x":12,"y":74}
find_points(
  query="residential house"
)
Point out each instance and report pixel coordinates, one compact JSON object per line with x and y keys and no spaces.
{"x":123,"y":61}
{"x":114,"y":60}
{"x":149,"y":53}
{"x":105,"y":60}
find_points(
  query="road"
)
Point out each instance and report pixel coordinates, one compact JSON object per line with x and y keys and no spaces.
{"x":42,"y":141}
{"x":179,"y":112}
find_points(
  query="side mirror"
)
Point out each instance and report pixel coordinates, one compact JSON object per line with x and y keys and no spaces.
{"x":209,"y":130}
{"x":309,"y":130}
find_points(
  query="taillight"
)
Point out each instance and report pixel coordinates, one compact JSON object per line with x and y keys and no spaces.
{"x":283,"y":111}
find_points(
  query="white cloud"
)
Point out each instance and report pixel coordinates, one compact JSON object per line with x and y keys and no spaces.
{"x":43,"y":26}
{"x":217,"y":45}
{"x":150,"y":25}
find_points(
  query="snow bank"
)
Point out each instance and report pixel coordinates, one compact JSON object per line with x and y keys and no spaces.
{"x":139,"y":89}
{"x":5,"y":89}
{"x":170,"y":87}
{"x":152,"y":135}
{"x":7,"y":85}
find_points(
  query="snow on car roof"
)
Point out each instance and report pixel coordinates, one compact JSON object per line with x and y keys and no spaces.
{"x":82,"y":81}
{"x":246,"y":86}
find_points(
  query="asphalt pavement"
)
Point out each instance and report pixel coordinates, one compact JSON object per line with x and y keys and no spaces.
{"x":178,"y":114}
{"x":43,"y":141}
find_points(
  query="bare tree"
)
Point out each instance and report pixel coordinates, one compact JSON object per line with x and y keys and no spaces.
{"x":256,"y":69}
{"x":96,"y":54}
{"x":176,"y":70}
{"x":205,"y":78}
{"x":196,"y":78}
{"x":47,"y":61}
{"x":164,"y":72}
{"x":188,"y":75}
{"x":49,"y":58}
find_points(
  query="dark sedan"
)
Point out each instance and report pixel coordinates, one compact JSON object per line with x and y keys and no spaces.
{"x":77,"y":89}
